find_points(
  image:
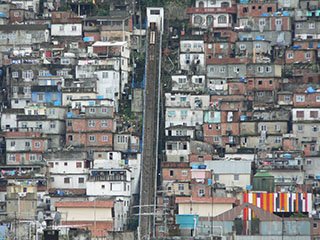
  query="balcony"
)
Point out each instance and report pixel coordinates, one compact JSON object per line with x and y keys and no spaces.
{"x":194,"y":10}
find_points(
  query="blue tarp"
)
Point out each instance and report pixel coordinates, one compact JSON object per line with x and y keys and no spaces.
{"x":48,"y":75}
{"x":259,"y":38}
{"x":296,"y":47}
{"x":242,"y":80}
{"x":3,"y":232}
{"x":243,"y":118}
{"x":187,"y":220}
{"x":2,"y":15}
{"x":286,"y":14}
{"x":318,"y":176}
{"x":264,"y":14}
{"x":310,"y":90}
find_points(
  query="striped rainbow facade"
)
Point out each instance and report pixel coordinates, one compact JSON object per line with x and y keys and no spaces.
{"x":280,"y":202}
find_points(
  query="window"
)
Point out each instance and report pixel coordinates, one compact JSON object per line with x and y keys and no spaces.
{"x":312,"y":25}
{"x":260,"y":94}
{"x":80,"y":180}
{"x":52,"y":125}
{"x":104,"y":138}
{"x":92,"y":110}
{"x":12,"y":157}
{"x":314,"y":129}
{"x":312,"y":147}
{"x":182,"y":80}
{"x":183,"y":99}
{"x":216,"y":139}
{"x":32,"y":157}
{"x":181,"y":187}
{"x":104,"y":123}
{"x":92,"y":138}
{"x":105,"y":75}
{"x":263,"y":127}
{"x":262,"y":22}
{"x":269,"y":9}
{"x":15,"y":74}
{"x":122,"y":139}
{"x":183,"y":114}
{"x":201,"y":192}
{"x":27,"y":144}
{"x":74,"y":28}
{"x":216,"y":177}
{"x":236,"y":177}
{"x":222,"y":69}
{"x":211,"y":69}
{"x":268,"y":69}
{"x":298,"y":25}
{"x":222,"y":19}
{"x":36,"y":144}
{"x":198,"y":19}
{"x":307,"y":55}
{"x":243,"y":47}
{"x":65,"y":61}
{"x":277,"y":128}
{"x":300,"y":98}
{"x":16,"y":14}
{"x":70,"y":137}
{"x":258,"y":46}
{"x":287,"y":98}
{"x":171,"y":173}
{"x":69,"y":97}
{"x":13,"y":143}
{"x":260,"y":82}
{"x":300,"y":128}
{"x":65,"y":164}
{"x":171,"y":113}
{"x":300,"y":114}
{"x":277,"y":140}
{"x":309,"y":162}
{"x":103,"y":186}
{"x":79,"y":164}
{"x":245,"y":10}
{"x":278,"y":21}
{"x":209,"y":20}
{"x":66,"y":180}
{"x":184,"y":173}
{"x":314,"y":114}
{"x":260,"y":69}
{"x":91,"y":123}
{"x":40,"y":97}
{"x":61,"y":28}
{"x":315,"y":225}
{"x":290,"y":55}
{"x":236,"y":69}
{"x":69,"y":123}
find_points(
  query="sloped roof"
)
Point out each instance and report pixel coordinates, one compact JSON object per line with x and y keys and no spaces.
{"x":260,"y":213}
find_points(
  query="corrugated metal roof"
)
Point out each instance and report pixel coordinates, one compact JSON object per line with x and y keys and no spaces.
{"x":229,"y":167}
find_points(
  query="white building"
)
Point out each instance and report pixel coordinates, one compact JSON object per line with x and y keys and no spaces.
{"x":212,"y":14}
{"x":231,"y":173}
{"x":185,"y":109}
{"x":67,"y":169}
{"x":9,"y":118}
{"x":66,"y":29}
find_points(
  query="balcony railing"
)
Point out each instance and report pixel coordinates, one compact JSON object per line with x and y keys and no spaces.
{"x":199,"y":10}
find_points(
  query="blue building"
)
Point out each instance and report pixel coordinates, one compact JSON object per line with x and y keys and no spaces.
{"x":46,"y":94}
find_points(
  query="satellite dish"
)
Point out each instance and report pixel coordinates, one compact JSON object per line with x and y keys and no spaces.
{"x":40,"y":217}
{"x":57,"y":218}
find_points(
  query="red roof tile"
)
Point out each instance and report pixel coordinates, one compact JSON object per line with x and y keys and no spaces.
{"x":85,"y":204}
